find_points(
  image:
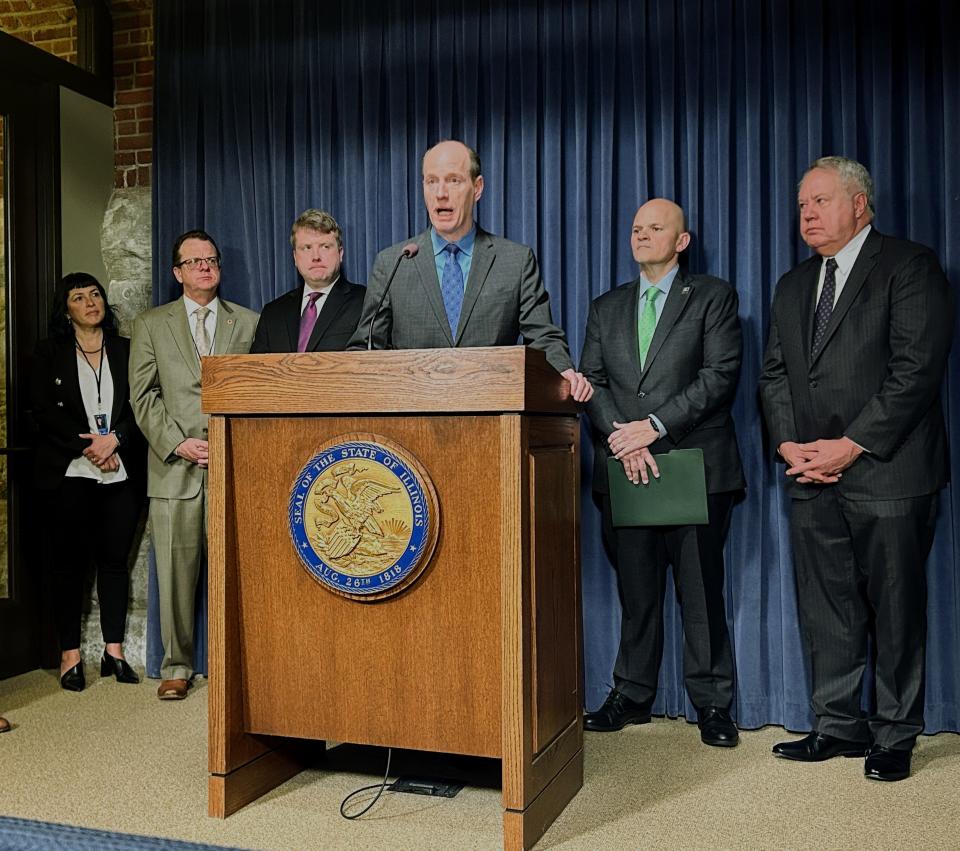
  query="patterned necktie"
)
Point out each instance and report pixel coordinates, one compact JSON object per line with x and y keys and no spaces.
{"x":307,"y":321}
{"x":200,"y":335}
{"x":451,"y":288}
{"x":647,"y":323}
{"x":825,"y":305}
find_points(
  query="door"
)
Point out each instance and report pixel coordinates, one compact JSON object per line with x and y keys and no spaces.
{"x":29,"y":262}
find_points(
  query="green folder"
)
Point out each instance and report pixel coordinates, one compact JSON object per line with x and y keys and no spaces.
{"x":677,"y":498}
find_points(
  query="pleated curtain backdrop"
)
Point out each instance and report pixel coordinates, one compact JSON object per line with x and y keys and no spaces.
{"x":581,"y":111}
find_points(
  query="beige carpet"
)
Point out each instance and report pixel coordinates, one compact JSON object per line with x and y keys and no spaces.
{"x":114,"y":757}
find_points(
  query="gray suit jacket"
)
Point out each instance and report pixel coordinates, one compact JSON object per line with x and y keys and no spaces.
{"x":689,"y":379}
{"x":504,"y":299}
{"x":165,"y":388}
{"x":877,"y":376}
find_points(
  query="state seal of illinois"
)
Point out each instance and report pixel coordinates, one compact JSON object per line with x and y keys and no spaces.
{"x":364,"y":517}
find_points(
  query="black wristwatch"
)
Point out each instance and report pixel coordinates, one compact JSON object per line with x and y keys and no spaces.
{"x":119,"y":438}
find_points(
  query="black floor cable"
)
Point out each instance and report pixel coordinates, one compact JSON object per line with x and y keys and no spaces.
{"x":379,"y":786}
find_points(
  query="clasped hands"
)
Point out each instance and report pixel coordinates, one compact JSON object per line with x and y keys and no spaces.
{"x":102,"y":451}
{"x":820,"y":462}
{"x":195,"y":450}
{"x":628,"y":442}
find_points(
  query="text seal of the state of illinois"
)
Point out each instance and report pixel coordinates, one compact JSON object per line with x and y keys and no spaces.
{"x":364,"y":517}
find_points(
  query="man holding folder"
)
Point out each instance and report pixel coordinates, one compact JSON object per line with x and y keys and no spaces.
{"x":663,"y":355}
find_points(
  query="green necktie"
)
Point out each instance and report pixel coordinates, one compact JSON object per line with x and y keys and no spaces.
{"x":647,"y":323}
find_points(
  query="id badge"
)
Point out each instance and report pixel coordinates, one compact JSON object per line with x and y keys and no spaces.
{"x":102,"y":421}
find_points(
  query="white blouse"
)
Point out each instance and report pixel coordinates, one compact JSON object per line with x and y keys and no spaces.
{"x":82,"y":467}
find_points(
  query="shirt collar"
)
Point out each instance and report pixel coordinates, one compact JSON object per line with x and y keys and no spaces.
{"x":465,"y":243}
{"x":847,"y":255}
{"x":193,"y":307}
{"x":663,"y":284}
{"x":323,"y":290}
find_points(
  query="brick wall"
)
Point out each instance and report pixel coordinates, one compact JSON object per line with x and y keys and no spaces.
{"x":133,"y":92}
{"x":52,"y":26}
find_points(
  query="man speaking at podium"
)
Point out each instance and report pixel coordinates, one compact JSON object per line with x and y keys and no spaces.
{"x":459,"y":285}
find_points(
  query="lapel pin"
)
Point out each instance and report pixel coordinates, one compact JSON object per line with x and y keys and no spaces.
{"x":57,"y":381}
{"x":685,"y":290}
{"x":229,"y":322}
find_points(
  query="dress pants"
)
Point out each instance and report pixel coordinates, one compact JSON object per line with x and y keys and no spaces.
{"x":642,"y":555}
{"x":179,"y":529}
{"x":92,"y":522}
{"x":861,"y":565}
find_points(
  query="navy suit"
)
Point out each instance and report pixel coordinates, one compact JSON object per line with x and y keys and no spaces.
{"x":279,"y":327}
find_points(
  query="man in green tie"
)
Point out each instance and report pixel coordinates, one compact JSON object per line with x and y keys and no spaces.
{"x":663,"y":355}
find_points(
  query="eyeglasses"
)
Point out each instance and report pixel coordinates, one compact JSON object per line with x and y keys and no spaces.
{"x":193,"y":262}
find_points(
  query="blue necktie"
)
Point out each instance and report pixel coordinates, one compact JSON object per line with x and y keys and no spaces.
{"x":451,"y":288}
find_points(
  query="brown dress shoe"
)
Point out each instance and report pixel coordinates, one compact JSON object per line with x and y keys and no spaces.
{"x":4,"y":725}
{"x":173,"y":689}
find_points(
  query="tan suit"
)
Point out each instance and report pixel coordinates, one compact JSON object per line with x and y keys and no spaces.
{"x":165,"y":395}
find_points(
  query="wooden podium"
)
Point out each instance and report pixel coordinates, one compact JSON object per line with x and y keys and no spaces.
{"x":481,"y":655}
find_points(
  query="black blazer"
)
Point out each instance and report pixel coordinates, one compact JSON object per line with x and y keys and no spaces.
{"x":877,"y":376}
{"x":689,"y":380}
{"x":279,"y":325}
{"x":60,"y":416}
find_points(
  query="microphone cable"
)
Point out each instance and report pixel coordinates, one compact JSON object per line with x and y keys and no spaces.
{"x":379,"y":786}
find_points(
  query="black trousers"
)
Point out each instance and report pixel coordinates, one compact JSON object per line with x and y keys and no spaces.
{"x":90,"y":522}
{"x":860,"y":565}
{"x":642,"y":555}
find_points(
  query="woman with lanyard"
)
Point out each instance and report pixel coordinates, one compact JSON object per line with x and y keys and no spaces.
{"x":89,"y":469}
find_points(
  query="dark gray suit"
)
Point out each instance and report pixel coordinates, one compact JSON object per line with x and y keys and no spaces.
{"x":860,"y":544}
{"x":688,"y":382}
{"x":504,"y":299}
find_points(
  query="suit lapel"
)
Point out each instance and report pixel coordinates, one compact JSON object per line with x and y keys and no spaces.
{"x":677,"y":299}
{"x":866,"y":260}
{"x":426,"y":265}
{"x":630,"y":312}
{"x":67,"y":366}
{"x":226,"y":325}
{"x":291,"y":317}
{"x":483,"y":257}
{"x":807,"y":308}
{"x":179,"y":329}
{"x":333,"y":303}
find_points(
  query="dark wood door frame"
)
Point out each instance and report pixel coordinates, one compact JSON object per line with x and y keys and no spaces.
{"x":30,"y":82}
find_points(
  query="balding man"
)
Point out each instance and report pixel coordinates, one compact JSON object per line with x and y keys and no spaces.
{"x":859,"y":337}
{"x":663,"y":355}
{"x":464,"y":287}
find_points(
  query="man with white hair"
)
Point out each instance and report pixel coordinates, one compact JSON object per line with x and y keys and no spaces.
{"x":859,"y":338}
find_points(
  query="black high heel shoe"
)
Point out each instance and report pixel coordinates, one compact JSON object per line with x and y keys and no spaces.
{"x":112,"y":666}
{"x":73,"y":680}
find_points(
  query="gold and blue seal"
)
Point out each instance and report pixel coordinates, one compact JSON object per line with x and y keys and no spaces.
{"x":364,"y":517}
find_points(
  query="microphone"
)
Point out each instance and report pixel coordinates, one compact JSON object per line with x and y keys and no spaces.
{"x":409,"y":250}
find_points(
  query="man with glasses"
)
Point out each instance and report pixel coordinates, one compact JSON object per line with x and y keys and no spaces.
{"x":165,"y":351}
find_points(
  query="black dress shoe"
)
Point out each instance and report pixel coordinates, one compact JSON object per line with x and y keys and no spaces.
{"x":886,"y":764}
{"x":717,"y":728}
{"x":73,"y":680}
{"x":819,"y":746}
{"x":111,"y":665}
{"x":617,"y":711}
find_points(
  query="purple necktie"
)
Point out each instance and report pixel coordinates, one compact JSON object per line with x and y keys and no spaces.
{"x":307,"y":321}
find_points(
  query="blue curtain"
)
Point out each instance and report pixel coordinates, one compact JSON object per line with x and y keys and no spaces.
{"x":581,"y":111}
